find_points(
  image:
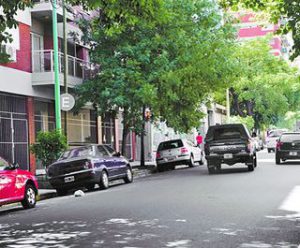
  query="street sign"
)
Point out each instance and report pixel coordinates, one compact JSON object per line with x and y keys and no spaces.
{"x":67,"y":102}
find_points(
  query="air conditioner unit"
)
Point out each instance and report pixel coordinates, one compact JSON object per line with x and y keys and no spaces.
{"x":11,"y":51}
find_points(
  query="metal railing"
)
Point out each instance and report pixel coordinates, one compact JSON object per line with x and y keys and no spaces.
{"x":43,"y":61}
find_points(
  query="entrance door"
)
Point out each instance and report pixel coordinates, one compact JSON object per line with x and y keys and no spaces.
{"x":37,"y":42}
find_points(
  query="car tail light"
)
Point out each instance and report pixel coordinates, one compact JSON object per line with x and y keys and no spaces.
{"x":184,"y":150}
{"x":157,"y":155}
{"x":88,"y":165}
{"x":278,"y":145}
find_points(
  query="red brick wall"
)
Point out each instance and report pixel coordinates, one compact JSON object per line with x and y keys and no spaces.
{"x":23,"y":62}
{"x":31,"y":132}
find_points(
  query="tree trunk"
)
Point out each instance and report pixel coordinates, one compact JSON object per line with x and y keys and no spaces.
{"x":125,"y":132}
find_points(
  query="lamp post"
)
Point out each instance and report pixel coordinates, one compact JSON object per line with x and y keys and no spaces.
{"x":56,"y":70}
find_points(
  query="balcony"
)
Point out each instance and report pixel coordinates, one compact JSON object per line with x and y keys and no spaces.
{"x":43,"y":69}
{"x":42,"y":9}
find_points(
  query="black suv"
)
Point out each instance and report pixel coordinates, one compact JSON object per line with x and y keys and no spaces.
{"x":229,"y":144}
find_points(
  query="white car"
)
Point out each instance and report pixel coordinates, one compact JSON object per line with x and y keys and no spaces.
{"x":272,"y":138}
{"x":177,"y":152}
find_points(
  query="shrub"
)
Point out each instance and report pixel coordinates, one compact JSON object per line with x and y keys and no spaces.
{"x":49,"y":146}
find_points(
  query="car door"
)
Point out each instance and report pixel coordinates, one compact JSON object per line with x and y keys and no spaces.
{"x":107,"y":160}
{"x":196,"y":151}
{"x":118,"y":160}
{"x":7,"y":181}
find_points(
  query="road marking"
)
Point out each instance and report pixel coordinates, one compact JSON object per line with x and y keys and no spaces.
{"x":292,"y":201}
{"x":267,"y":160}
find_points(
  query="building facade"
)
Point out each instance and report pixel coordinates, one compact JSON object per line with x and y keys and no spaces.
{"x":27,"y":87}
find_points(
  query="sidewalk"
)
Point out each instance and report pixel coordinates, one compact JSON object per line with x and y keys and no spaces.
{"x":137,"y":170}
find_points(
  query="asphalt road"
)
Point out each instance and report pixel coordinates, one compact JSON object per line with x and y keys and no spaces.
{"x":181,"y":208}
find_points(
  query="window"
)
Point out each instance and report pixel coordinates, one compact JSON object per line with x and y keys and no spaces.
{"x":228,"y":133}
{"x":102,"y":152}
{"x":78,"y":152}
{"x":290,"y":138}
{"x":109,"y":149}
{"x":170,"y":145}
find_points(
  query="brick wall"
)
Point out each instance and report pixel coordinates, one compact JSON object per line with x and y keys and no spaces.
{"x":23,"y":61}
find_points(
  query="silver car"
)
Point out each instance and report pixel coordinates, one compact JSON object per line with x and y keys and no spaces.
{"x":177,"y":152}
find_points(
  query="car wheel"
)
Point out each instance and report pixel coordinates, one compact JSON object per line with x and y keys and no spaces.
{"x":255,"y":160}
{"x":277,"y":158}
{"x":90,"y":187}
{"x":103,"y":180}
{"x":251,"y":167}
{"x":61,"y":192}
{"x":129,"y":176}
{"x":29,"y":200}
{"x":192,"y":161}
{"x":211,"y":168}
{"x":160,"y":168}
{"x":201,"y":161}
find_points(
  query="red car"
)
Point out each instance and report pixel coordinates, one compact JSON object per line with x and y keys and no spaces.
{"x":17,"y":185}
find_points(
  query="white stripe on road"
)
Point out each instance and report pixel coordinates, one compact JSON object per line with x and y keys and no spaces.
{"x":292,"y":201}
{"x":266,"y":160}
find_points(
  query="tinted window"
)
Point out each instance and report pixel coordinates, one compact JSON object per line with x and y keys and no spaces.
{"x":290,"y":137}
{"x":109,"y":149}
{"x":170,"y":145}
{"x":101,"y":151}
{"x":3,"y":164}
{"x":78,"y":152}
{"x":228,"y":133}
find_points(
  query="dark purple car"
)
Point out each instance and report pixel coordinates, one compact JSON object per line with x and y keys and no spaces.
{"x":86,"y":166}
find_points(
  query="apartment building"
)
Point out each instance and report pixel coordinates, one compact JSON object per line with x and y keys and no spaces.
{"x":27,"y":87}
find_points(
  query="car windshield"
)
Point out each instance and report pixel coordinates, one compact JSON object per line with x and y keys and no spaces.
{"x":77,"y":152}
{"x":290,"y":137}
{"x":170,"y":145}
{"x":275,"y":133}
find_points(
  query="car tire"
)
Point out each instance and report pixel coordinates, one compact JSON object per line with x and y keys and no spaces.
{"x":255,"y":160}
{"x":104,"y":183}
{"x":269,"y":150}
{"x":201,"y":162}
{"x":251,"y":166}
{"x":129,"y":176}
{"x":277,"y":158}
{"x":90,"y":187}
{"x":211,"y":169}
{"x":61,"y":192}
{"x":192,"y":161}
{"x":160,"y":168}
{"x":29,"y":200}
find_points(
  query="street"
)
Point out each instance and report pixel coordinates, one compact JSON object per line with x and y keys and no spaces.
{"x":182,"y":208}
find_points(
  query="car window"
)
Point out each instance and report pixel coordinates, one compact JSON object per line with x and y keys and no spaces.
{"x":275,"y":133}
{"x":77,"y":152}
{"x":290,"y":138}
{"x":228,"y":133}
{"x":101,"y":151}
{"x":170,"y":145}
{"x":109,"y":149}
{"x":3,"y":164}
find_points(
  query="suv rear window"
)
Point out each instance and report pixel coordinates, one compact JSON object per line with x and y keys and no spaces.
{"x":170,"y":145}
{"x":275,"y":134}
{"x":290,"y":137}
{"x":227,"y":132}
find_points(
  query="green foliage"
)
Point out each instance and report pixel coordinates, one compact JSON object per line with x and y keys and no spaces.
{"x":49,"y":146}
{"x":267,"y":87}
{"x":7,"y":21}
{"x":248,"y":121}
{"x":170,"y":62}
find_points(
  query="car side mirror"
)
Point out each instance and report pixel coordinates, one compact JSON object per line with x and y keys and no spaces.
{"x":117,"y":154}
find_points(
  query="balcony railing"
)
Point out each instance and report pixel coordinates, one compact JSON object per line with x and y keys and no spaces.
{"x":43,"y":61}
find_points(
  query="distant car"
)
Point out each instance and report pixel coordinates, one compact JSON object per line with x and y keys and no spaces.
{"x":87,"y":166}
{"x":272,"y":137}
{"x":288,"y":147}
{"x":17,"y":185}
{"x":229,"y":144}
{"x":177,"y":152}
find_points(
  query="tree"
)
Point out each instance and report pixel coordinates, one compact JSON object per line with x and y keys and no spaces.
{"x":266,"y":87}
{"x":169,"y":61}
{"x":287,"y":12}
{"x":7,"y":21}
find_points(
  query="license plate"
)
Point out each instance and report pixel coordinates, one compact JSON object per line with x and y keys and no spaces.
{"x":69,"y":179}
{"x":228,"y":155}
{"x":293,"y":153}
{"x":171,"y":158}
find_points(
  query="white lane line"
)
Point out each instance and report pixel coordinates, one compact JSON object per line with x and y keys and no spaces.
{"x":267,"y":160}
{"x":292,"y":201}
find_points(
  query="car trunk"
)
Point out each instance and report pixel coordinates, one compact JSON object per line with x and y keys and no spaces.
{"x":66,"y":166}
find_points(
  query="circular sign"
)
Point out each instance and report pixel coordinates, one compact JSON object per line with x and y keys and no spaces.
{"x":67,"y":102}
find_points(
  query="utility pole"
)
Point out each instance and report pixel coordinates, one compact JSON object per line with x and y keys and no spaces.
{"x":143,"y":138}
{"x":56,"y":70}
{"x":65,"y":38}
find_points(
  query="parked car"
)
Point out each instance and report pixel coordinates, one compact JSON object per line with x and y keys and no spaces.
{"x":229,"y":144}
{"x":287,"y":147}
{"x":177,"y":152}
{"x":17,"y":185}
{"x":272,"y":137}
{"x":87,"y":166}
